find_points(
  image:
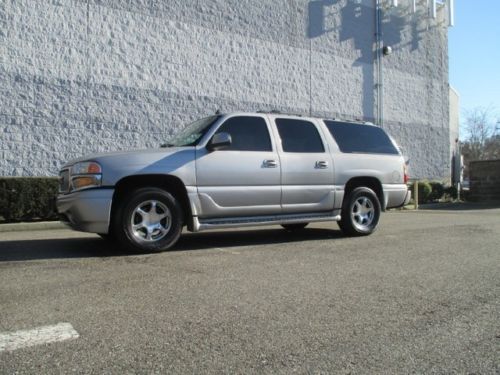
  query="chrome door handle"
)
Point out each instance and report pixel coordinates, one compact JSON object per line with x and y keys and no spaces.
{"x":270,"y":164}
{"x":321,"y":164}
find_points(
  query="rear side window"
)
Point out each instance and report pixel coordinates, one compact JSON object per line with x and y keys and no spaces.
{"x":299,"y":136}
{"x":247,"y":133}
{"x":359,"y":138}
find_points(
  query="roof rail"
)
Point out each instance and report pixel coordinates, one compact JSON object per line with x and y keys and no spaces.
{"x":269,"y":111}
{"x":275,"y":111}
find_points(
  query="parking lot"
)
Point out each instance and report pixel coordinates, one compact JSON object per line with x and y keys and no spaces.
{"x":420,"y":295}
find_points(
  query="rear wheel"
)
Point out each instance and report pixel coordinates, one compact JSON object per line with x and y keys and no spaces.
{"x":360,"y":212}
{"x":148,"y":220}
{"x":294,"y":227}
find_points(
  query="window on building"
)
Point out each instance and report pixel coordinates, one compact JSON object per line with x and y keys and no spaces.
{"x":299,"y":136}
{"x":247,"y":133}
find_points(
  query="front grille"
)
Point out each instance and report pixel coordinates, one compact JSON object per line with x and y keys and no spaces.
{"x":64,"y":181}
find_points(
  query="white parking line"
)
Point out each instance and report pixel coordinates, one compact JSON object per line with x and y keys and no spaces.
{"x":41,"y":335}
{"x":226,"y":251}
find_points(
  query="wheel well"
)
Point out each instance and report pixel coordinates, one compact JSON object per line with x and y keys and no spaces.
{"x":168,"y":183}
{"x":369,"y":182}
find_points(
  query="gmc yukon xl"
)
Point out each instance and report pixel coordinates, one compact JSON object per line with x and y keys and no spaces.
{"x":235,"y":170}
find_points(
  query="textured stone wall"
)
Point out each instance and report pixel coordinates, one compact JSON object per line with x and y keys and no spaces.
{"x":484,"y":180}
{"x":80,"y":76}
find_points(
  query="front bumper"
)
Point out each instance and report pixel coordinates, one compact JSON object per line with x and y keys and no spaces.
{"x":86,"y":210}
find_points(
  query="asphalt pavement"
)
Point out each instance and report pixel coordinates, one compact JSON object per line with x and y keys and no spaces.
{"x":421,"y":295}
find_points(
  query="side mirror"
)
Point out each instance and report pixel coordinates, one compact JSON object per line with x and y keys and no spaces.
{"x":219,"y":141}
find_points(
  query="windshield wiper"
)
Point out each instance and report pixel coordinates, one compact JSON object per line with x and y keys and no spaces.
{"x":165,"y":145}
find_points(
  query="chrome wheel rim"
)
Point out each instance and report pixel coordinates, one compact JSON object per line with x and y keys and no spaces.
{"x":151,"y":221}
{"x":363,"y":213}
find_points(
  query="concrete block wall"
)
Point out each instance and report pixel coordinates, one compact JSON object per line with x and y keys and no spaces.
{"x":84,"y":76}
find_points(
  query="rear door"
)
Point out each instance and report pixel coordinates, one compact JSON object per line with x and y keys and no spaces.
{"x":244,"y":179}
{"x":306,"y":166}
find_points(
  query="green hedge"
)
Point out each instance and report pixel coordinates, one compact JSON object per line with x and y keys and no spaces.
{"x":424,"y":191}
{"x":437,"y":191}
{"x":28,"y":198}
{"x":434,"y":191}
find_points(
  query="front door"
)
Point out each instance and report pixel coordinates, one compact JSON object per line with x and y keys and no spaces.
{"x":243,"y":179}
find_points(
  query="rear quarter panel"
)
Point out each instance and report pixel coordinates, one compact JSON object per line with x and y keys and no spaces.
{"x":388,"y":169}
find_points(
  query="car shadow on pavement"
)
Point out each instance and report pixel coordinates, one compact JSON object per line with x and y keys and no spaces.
{"x":254,"y":237}
{"x":90,"y":247}
{"x":55,"y":248}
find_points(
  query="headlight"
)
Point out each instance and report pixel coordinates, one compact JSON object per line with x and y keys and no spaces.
{"x":88,"y":167}
{"x":85,"y":175}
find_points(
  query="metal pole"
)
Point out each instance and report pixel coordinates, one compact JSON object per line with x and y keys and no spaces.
{"x":415,"y":194}
{"x":378,"y":47}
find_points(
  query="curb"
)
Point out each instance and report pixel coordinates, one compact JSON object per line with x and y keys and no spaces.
{"x":42,"y":225}
{"x":449,"y":206}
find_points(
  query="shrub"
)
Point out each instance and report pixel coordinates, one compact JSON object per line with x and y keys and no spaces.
{"x":437,"y":190}
{"x":451,"y":192}
{"x":424,"y":191}
{"x":28,"y":198}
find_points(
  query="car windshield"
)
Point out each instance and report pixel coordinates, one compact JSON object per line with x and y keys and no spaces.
{"x":192,"y":133}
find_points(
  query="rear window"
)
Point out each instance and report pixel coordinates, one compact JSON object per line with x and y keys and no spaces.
{"x":359,"y":138}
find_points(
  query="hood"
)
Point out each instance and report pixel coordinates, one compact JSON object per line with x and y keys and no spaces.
{"x":177,"y":161}
{"x":132,"y":157}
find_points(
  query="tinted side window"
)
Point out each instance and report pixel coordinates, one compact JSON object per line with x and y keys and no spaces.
{"x":299,"y":136}
{"x":247,"y":133}
{"x":361,"y":138}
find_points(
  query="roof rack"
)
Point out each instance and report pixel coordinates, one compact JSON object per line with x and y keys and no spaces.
{"x":270,"y":111}
{"x":275,"y":111}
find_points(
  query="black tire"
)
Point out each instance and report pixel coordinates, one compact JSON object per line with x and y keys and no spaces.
{"x":355,"y":223}
{"x":147,"y":232}
{"x":294,"y":227}
{"x":108,"y":237}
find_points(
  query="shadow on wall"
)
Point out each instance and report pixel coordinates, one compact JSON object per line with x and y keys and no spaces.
{"x":398,"y":21}
{"x":317,"y":13}
{"x":357,"y":23}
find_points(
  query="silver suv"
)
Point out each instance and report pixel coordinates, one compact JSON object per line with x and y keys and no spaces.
{"x":235,"y":170}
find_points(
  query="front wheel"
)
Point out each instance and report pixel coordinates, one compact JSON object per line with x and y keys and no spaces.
{"x":360,"y":212}
{"x":148,"y":220}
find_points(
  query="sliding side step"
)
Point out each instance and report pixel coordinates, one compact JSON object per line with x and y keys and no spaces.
{"x":251,"y":221}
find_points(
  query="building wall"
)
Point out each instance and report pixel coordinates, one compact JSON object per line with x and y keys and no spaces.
{"x":80,"y":76}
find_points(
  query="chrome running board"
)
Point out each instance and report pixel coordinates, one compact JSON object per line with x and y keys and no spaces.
{"x":252,"y":221}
